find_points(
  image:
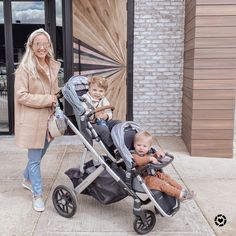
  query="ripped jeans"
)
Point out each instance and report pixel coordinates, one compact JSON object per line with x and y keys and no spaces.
{"x":32,"y":171}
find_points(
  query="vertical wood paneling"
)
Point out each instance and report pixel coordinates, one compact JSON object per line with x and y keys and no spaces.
{"x":209,"y":77}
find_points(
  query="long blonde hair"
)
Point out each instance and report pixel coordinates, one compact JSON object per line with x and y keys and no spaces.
{"x":29,"y":61}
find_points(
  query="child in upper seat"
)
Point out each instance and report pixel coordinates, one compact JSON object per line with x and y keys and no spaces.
{"x":162,"y":182}
{"x":102,"y":121}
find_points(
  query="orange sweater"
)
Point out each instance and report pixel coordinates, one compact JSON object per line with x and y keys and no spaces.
{"x":143,"y":160}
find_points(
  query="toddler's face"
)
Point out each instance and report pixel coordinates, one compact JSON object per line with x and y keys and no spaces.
{"x":142,"y":147}
{"x":96,"y":92}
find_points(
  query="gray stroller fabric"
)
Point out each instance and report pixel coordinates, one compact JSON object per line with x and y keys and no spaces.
{"x":117,"y":133}
{"x":69,"y":91}
{"x":104,"y":188}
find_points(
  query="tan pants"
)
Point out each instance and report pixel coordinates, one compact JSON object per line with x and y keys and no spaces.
{"x":163,"y":183}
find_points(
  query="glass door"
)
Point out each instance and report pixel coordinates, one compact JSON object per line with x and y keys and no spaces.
{"x":18,"y":19}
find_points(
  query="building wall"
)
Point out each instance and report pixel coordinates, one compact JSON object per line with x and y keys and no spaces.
{"x":209,"y":77}
{"x":158,"y":65}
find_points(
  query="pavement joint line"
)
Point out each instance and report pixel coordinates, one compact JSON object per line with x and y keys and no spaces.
{"x":47,"y":195}
{"x":194,"y":200}
{"x":188,"y":189}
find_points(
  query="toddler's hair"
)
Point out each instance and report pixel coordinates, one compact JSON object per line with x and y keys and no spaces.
{"x":143,"y":135}
{"x":101,"y":82}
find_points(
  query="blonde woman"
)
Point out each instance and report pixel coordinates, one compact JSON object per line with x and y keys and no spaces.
{"x":36,"y":86}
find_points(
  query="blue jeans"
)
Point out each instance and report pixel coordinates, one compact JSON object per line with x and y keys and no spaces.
{"x":32,"y":171}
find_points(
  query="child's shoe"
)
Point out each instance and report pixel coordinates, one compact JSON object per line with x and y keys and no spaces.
{"x":186,"y":195}
{"x":27,"y":185}
{"x":38,"y":204}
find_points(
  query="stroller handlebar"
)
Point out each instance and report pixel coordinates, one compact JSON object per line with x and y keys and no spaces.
{"x":151,"y":168}
{"x":100,"y":109}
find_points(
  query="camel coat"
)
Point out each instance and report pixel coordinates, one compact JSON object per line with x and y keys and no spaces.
{"x":33,"y":101}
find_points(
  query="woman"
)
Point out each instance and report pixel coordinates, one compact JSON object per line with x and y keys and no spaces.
{"x":36,"y":86}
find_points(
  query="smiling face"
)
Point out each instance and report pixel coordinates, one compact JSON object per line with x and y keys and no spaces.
{"x":96,"y":92}
{"x":142,"y":146}
{"x":40,"y":46}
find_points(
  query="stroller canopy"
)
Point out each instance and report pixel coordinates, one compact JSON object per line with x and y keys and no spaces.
{"x":120,"y":133}
{"x":71,"y":92}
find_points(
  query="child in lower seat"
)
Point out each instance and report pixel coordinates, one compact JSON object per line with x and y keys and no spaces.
{"x":162,"y":182}
{"x":102,"y":121}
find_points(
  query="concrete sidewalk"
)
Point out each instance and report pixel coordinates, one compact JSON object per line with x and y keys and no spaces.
{"x":213,"y":179}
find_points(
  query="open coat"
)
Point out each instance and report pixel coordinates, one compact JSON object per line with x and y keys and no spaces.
{"x":33,"y":101}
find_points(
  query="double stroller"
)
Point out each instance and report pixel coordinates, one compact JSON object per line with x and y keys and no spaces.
{"x":109,"y":177}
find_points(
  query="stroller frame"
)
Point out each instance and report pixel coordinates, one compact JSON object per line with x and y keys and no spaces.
{"x":65,"y":200}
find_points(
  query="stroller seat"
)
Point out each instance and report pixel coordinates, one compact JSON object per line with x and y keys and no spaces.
{"x":73,"y":91}
{"x":167,"y":205}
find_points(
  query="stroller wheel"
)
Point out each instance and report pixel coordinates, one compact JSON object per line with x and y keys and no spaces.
{"x":64,"y":200}
{"x":140,"y":227}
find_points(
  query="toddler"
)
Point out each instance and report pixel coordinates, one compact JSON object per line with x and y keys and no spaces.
{"x":102,"y":121}
{"x":162,"y":182}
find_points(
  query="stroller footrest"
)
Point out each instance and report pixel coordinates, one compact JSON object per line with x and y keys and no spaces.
{"x":167,"y":203}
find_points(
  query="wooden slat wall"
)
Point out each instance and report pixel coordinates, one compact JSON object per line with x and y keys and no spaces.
{"x":102,"y":24}
{"x":209,"y":77}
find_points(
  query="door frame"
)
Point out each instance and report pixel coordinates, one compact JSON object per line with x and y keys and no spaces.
{"x":7,"y":13}
{"x":130,"y":55}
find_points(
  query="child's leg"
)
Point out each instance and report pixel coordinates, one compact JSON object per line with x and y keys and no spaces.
{"x":104,"y":133}
{"x":112,"y":123}
{"x":153,"y":182}
{"x":169,"y":180}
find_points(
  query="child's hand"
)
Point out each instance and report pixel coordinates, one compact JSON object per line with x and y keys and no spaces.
{"x":159,"y":154}
{"x":153,"y":160}
{"x":101,"y":115}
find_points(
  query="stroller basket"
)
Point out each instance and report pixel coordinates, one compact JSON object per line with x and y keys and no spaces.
{"x":104,"y":188}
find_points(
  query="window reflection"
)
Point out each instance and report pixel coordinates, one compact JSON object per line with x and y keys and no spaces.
{"x":28,"y":12}
{"x":59,"y":41}
{"x":58,"y":13}
{"x":1,"y":13}
{"x":27,"y":16}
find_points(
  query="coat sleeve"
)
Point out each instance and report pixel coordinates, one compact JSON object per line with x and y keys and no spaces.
{"x":141,"y":161}
{"x":23,"y":96}
{"x":57,"y":89}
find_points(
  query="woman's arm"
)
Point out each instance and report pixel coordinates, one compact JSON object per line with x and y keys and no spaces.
{"x":23,"y":95}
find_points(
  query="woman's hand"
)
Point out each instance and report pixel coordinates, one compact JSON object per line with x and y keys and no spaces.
{"x":54,"y":101}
